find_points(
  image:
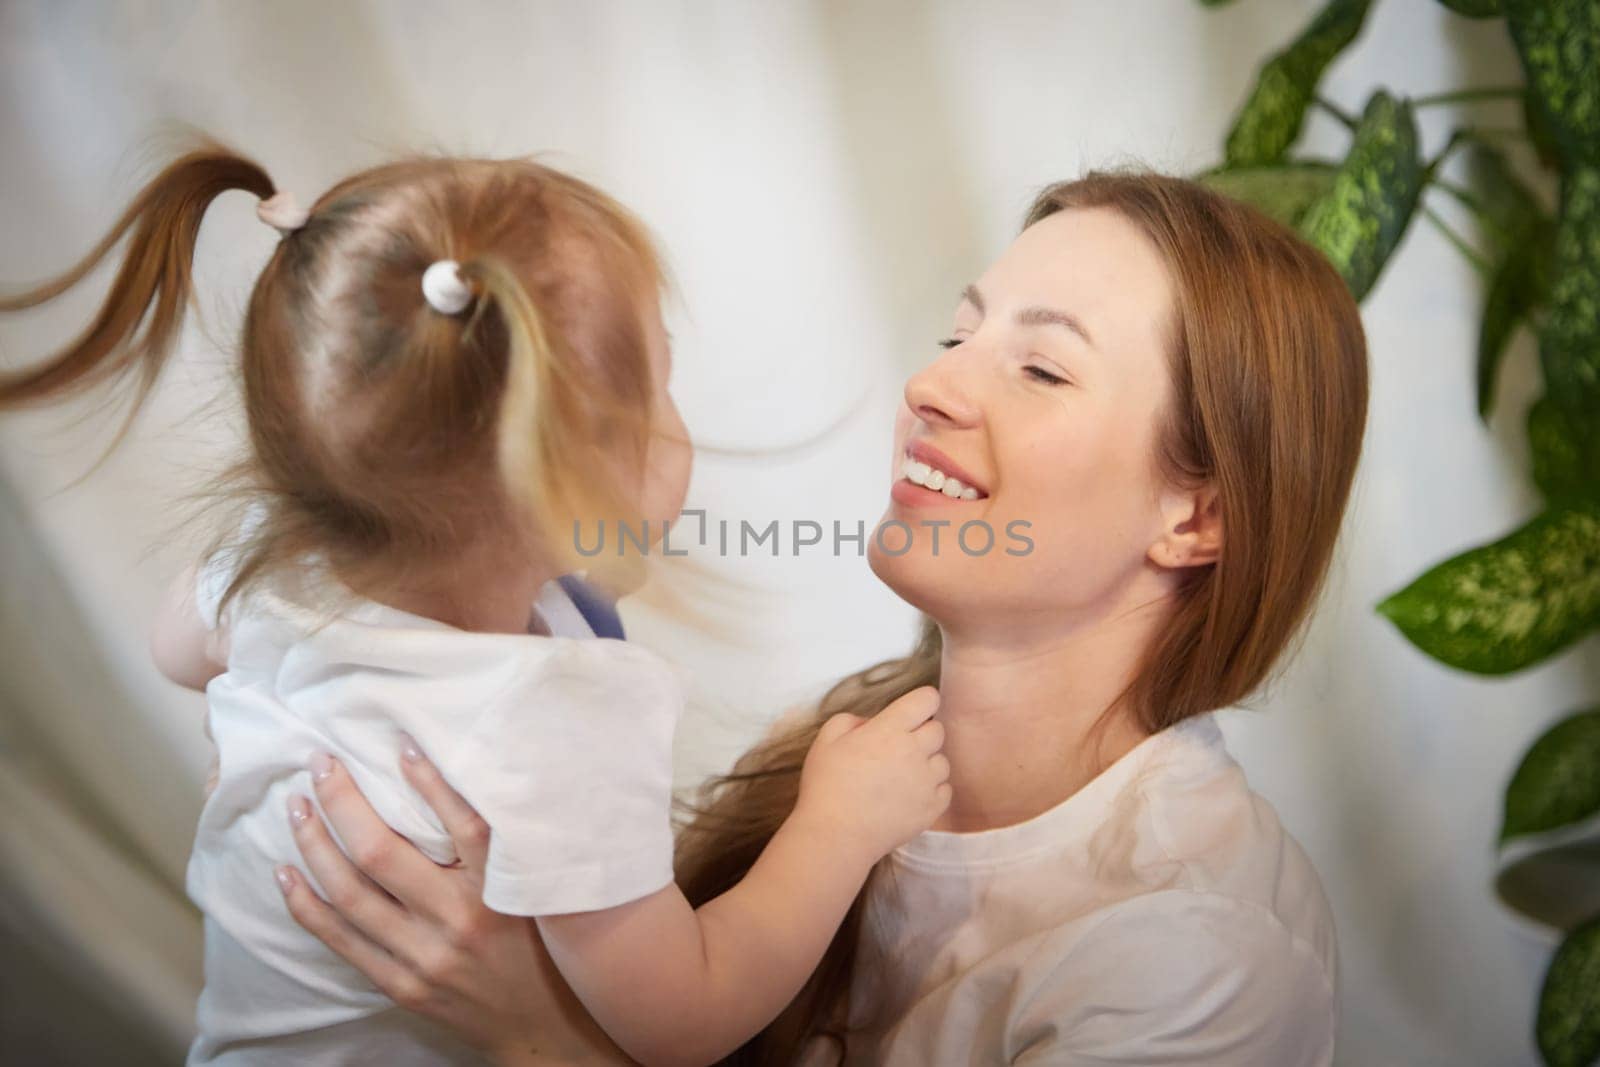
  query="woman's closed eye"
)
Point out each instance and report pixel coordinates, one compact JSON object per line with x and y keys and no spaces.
{"x":1037,"y":373}
{"x":1045,"y":376}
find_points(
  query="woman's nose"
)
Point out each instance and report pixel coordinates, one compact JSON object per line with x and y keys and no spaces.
{"x":937,"y":395}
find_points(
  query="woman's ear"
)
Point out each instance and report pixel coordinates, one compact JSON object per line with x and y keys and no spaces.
{"x":1191,"y":532}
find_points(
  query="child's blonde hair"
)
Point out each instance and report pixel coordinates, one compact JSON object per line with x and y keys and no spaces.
{"x":384,"y":434}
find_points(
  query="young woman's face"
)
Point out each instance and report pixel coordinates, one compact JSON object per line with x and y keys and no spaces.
{"x":1044,"y":406}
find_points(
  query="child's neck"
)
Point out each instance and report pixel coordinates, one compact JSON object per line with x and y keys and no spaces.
{"x":489,"y":596}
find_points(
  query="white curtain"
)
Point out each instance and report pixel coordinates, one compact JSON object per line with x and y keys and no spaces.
{"x":825,"y":177}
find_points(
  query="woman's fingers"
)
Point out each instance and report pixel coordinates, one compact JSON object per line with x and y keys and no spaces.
{"x":467,"y":830}
{"x":381,"y":854}
{"x":355,"y":896}
{"x":438,"y":895}
{"x":393,"y":979}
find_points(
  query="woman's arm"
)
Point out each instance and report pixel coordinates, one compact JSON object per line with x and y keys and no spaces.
{"x":184,"y":646}
{"x":422,"y":934}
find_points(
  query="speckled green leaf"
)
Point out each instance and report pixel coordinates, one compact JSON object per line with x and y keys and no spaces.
{"x":1569,"y":342}
{"x":1510,"y":207}
{"x":1506,"y":605}
{"x":1362,"y":217}
{"x":1559,"y":41}
{"x":1505,"y":307}
{"x":1569,"y":1004}
{"x":1270,"y":120}
{"x":1476,"y":9}
{"x":1558,"y":782}
{"x":1517,"y":237}
{"x":1565,"y":447}
{"x":1520,"y":285}
{"x":1282,"y":190}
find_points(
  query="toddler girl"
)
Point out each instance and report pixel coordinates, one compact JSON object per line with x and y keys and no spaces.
{"x":447,"y":363}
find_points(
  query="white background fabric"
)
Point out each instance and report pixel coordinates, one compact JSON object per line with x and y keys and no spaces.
{"x":825,"y":177}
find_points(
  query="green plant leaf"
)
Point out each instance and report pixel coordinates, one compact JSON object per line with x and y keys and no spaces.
{"x":1475,"y":9}
{"x":1565,"y":445}
{"x":1569,"y":342}
{"x":1568,"y":1030}
{"x":1505,"y":307}
{"x":1519,"y":285}
{"x":1559,"y":42}
{"x":1558,"y":781}
{"x":1362,"y":217}
{"x":1507,"y":605}
{"x":1541,"y":134}
{"x":1518,"y":236}
{"x":1281,"y":190}
{"x":1270,"y":120}
{"x":1510,"y":210}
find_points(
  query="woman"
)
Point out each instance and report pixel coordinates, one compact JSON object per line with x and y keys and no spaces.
{"x":1170,"y":390}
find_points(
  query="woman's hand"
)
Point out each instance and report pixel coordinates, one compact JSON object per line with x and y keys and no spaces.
{"x":421,"y":932}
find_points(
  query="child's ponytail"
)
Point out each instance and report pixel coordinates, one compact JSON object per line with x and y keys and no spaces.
{"x":151,"y":289}
{"x":529,"y":406}
{"x":547,"y":406}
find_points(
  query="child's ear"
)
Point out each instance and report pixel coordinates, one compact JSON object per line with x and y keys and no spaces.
{"x":1191,"y":533}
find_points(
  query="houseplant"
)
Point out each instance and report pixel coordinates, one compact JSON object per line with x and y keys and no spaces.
{"x":1510,"y":604}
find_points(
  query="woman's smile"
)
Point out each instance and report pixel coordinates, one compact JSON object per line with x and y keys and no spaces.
{"x":928,"y":476}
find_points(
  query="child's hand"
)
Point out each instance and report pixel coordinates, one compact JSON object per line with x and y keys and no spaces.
{"x":876,"y":783}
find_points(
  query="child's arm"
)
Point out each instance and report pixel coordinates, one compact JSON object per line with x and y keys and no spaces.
{"x":674,"y":985}
{"x":185,"y":647}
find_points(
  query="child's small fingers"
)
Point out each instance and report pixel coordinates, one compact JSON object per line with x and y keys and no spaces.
{"x":930,"y":736}
{"x":911,"y":710}
{"x":467,"y":830}
{"x":837,"y":726}
{"x":940,"y":763}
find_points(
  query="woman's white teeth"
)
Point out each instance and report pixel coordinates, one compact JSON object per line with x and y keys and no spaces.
{"x":919,"y":473}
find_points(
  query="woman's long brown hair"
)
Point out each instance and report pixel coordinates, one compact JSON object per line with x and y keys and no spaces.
{"x":1269,"y":367}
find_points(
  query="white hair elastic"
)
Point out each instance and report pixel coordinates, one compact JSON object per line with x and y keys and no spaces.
{"x":444,"y":288}
{"x":282,"y":212}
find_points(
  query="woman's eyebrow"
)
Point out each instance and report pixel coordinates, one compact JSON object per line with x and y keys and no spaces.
{"x":1039,"y":316}
{"x":1035,"y":316}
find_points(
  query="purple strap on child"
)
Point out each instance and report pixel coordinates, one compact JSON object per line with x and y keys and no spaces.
{"x":596,"y":610}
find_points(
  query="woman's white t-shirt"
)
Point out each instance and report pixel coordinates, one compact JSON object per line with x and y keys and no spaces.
{"x":562,"y":743}
{"x":1160,"y":915}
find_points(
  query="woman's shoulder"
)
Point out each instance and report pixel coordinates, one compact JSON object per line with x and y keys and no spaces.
{"x":1214,"y":842}
{"x":1178,"y":974}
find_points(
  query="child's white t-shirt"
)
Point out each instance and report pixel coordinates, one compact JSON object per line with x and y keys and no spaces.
{"x":563,"y":744}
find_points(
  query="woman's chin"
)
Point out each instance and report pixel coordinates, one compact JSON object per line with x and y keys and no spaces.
{"x":914,"y":577}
